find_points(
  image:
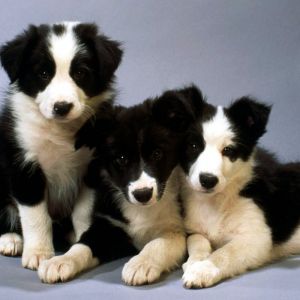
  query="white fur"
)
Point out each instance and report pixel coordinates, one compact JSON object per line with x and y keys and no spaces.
{"x":228,"y":233}
{"x":222,"y":220}
{"x":37,"y":234}
{"x":144,"y":181}
{"x":50,"y":143}
{"x":11,"y":244}
{"x":82,"y":212}
{"x":201,"y":274}
{"x":155,"y":229}
{"x":62,"y":87}
{"x":65,"y":267}
{"x":217,"y":134}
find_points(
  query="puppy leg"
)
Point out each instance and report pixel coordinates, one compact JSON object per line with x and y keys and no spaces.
{"x":65,"y":267}
{"x":11,"y":244}
{"x":238,"y":255}
{"x":161,"y":254}
{"x":198,"y":247}
{"x":37,"y":234}
{"x":82,"y":213}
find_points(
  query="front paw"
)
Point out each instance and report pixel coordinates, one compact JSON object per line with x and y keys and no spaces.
{"x":201,"y":274}
{"x":57,"y":269}
{"x":32,"y":257}
{"x":140,"y":270}
{"x":11,"y":244}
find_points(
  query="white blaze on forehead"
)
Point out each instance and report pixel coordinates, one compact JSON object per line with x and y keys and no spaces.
{"x":217,"y":130}
{"x":62,"y":88}
{"x":64,"y":47}
{"x":217,"y":134}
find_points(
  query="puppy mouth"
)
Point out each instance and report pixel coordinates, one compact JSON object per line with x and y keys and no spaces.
{"x":207,"y":191}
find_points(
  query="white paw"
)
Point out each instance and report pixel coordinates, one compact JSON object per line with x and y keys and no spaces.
{"x":201,"y":274}
{"x":32,"y":257}
{"x":11,"y":244}
{"x":57,"y":269}
{"x":140,"y":270}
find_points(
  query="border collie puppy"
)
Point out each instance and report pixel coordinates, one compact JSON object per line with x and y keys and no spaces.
{"x":241,"y":205}
{"x":135,"y":179}
{"x":59,"y":75}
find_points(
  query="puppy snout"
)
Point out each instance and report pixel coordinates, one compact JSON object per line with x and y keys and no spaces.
{"x":143,"y":195}
{"x":208,"y":181}
{"x":62,"y":108}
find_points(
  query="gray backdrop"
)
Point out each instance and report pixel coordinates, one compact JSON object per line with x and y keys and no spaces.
{"x":229,"y":48}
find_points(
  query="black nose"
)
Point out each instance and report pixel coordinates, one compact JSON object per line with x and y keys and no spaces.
{"x":62,"y":108}
{"x":143,"y":195}
{"x":208,"y":181}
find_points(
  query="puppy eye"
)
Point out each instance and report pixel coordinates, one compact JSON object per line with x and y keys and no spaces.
{"x":44,"y":75}
{"x":229,"y":152}
{"x":121,"y":161}
{"x":193,"y":147}
{"x":79,"y":74}
{"x":156,"y":155}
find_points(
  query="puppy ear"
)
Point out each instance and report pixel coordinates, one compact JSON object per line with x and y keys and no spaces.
{"x":13,"y":52}
{"x":109,"y":52}
{"x":177,"y":109}
{"x":95,"y":129}
{"x":250,"y":116}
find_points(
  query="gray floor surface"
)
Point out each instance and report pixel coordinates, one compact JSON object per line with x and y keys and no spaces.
{"x":229,"y":48}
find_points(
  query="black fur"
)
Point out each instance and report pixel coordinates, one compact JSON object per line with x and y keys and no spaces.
{"x":129,"y":141}
{"x":249,"y":119}
{"x":30,"y":67}
{"x":275,"y":187}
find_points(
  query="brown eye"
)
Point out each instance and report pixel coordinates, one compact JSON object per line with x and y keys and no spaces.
{"x":156,"y":155}
{"x":229,"y":152}
{"x":79,"y":74}
{"x":44,"y":75}
{"x":193,"y":147}
{"x":121,"y":161}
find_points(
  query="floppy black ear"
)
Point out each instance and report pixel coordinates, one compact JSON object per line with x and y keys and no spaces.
{"x":250,"y":116}
{"x":108,"y":51}
{"x":177,"y":109}
{"x":13,"y":52}
{"x":96,"y":128}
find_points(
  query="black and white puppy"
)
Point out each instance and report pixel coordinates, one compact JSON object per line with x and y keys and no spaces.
{"x":135,"y":179}
{"x":242,"y":206}
{"x":59,"y":75}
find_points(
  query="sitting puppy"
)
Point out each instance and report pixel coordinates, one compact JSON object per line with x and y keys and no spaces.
{"x":135,"y":180}
{"x":59,"y":75}
{"x":241,"y":205}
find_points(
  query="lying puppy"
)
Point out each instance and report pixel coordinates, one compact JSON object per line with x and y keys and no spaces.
{"x":242,"y":206}
{"x":59,"y":75}
{"x":134,"y":176}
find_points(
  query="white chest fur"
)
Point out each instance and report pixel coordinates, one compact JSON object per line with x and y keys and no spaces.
{"x":146,"y":223}
{"x":221,"y":217}
{"x":51,"y":145}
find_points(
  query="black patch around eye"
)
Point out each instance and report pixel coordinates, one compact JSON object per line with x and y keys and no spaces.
{"x":121,"y":161}
{"x":44,"y":74}
{"x":230,"y":152}
{"x":156,"y":155}
{"x":80,"y":73}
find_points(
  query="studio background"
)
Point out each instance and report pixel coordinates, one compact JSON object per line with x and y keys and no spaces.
{"x":229,"y":48}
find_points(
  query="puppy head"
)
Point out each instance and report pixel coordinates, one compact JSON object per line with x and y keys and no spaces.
{"x":63,"y":68}
{"x":218,"y":149}
{"x":139,"y":148}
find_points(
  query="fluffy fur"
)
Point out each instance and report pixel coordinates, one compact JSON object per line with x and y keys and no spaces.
{"x":59,"y":75}
{"x":135,"y":179}
{"x":241,"y":205}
